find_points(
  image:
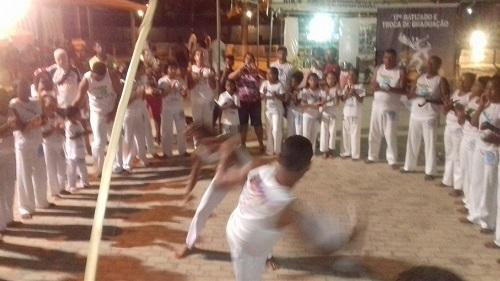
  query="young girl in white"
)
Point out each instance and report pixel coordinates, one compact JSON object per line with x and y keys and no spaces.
{"x":352,"y":96}
{"x":174,"y":91}
{"x":134,"y":140}
{"x":310,"y":101}
{"x":53,"y":142}
{"x":229,"y":103}
{"x":329,"y":101}
{"x":31,"y":175}
{"x":294,"y":111}
{"x":453,"y":133}
{"x":273,"y":93}
{"x":75,"y":150}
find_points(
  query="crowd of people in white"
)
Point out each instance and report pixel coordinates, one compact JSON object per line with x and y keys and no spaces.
{"x":46,"y":137}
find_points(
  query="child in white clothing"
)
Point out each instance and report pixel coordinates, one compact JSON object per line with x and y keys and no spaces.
{"x":273,"y":93}
{"x":310,"y":100}
{"x":352,"y":96}
{"x":229,"y":103}
{"x":329,"y":101}
{"x":75,"y":150}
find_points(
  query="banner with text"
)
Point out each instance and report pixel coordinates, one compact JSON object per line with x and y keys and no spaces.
{"x":416,"y":34}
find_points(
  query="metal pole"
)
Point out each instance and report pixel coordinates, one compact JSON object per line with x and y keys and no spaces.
{"x":102,"y":198}
{"x":78,"y":22}
{"x":89,"y":23}
{"x":269,"y":54}
{"x":258,"y":32}
{"x":219,"y":42}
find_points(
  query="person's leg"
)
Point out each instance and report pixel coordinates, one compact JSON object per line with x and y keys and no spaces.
{"x":61,"y":168}
{"x":355,"y":137}
{"x":332,"y":133}
{"x":140,"y":139}
{"x":25,"y":192}
{"x":167,"y":132}
{"x":180,"y":125}
{"x":346,"y":138}
{"x":246,"y":267}
{"x":457,"y":175}
{"x":277,"y":120}
{"x":449,"y":161}
{"x":324,"y":133}
{"x":71,"y":171}
{"x":157,"y":122}
{"x":298,"y":122}
{"x":193,"y":176}
{"x":128,"y":142}
{"x":290,"y":122}
{"x":390,"y":131}
{"x":39,"y":178}
{"x":413,"y":144}
{"x":82,"y":172}
{"x":375,"y":134}
{"x":488,"y":191}
{"x":477,"y":183}
{"x":99,"y":133}
{"x":256,"y":121}
{"x":50,"y":154}
{"x":9,"y":183}
{"x":429,"y":129}
{"x":497,"y":232}
{"x":269,"y":133}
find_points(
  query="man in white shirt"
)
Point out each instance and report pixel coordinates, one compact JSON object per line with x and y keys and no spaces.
{"x":389,"y":84}
{"x":65,"y":78}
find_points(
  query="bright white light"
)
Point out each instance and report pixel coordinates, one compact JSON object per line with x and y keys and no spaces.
{"x":469,"y":10}
{"x":249,"y":14}
{"x":140,"y":13}
{"x":12,"y":13}
{"x":321,"y":28}
{"x":478,"y":41}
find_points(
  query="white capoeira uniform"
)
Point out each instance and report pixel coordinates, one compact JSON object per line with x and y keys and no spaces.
{"x":484,"y":182}
{"x":285,"y":71}
{"x":423,"y":123}
{"x":75,"y":155}
{"x":310,"y":116}
{"x":146,"y":122}
{"x":202,"y":98}
{"x":230,"y":118}
{"x":467,"y":148}
{"x":453,"y":134}
{"x":497,"y":226}
{"x":351,"y":125}
{"x":102,"y":99}
{"x":384,"y":116}
{"x":172,"y":112}
{"x":66,"y":83}
{"x":251,"y":230}
{"x":328,"y":132}
{"x":134,"y":139}
{"x":55,"y":160}
{"x":274,"y":115}
{"x":8,"y":182}
{"x":31,"y":175}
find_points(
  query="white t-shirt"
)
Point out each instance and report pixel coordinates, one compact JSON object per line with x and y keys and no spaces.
{"x":253,"y":224}
{"x":102,"y":96}
{"x":451,"y":117}
{"x":472,"y":105}
{"x":269,"y":90}
{"x":285,"y":71}
{"x":352,"y":107}
{"x":330,"y":98}
{"x":427,"y":88}
{"x":27,"y":111}
{"x":385,"y":78}
{"x":308,"y":96}
{"x":174,"y":97}
{"x":229,"y":115}
{"x":492,"y":115}
{"x":202,"y":89}
{"x":68,"y":90}
{"x":75,"y":148}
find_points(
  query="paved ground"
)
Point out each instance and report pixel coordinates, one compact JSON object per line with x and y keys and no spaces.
{"x":406,"y":222}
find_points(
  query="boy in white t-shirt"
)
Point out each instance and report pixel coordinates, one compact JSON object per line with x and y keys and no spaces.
{"x":229,"y":103}
{"x":75,"y":150}
{"x":352,"y":96}
{"x":273,"y":93}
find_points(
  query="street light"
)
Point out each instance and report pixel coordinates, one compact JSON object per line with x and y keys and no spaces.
{"x":249,"y":14}
{"x":140,"y":13}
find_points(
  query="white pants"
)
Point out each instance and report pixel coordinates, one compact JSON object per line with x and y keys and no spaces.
{"x":169,"y":117}
{"x":294,"y":121}
{"x":452,"y":172}
{"x":203,"y":112}
{"x":351,"y":136}
{"x":101,"y":129}
{"x":148,"y":132}
{"x":55,"y":162}
{"x":77,"y":166}
{"x":246,"y":267}
{"x":7,"y":188}
{"x":383,"y":124}
{"x":31,"y":178}
{"x":467,"y":147}
{"x":310,"y":126}
{"x":274,"y":131}
{"x":483,"y":188}
{"x":134,"y":141}
{"x":209,"y":201}
{"x":328,"y":133}
{"x":497,"y":228}
{"x":417,"y":130}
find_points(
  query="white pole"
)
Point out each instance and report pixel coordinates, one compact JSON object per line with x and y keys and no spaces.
{"x":219,"y":42}
{"x":100,"y":210}
{"x":258,"y":32}
{"x":269,"y":54}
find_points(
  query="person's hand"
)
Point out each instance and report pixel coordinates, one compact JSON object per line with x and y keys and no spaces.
{"x":492,"y":138}
{"x":486,"y":126}
{"x":483,"y":101}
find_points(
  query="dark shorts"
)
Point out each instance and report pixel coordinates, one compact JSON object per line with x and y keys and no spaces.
{"x":250,"y":111}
